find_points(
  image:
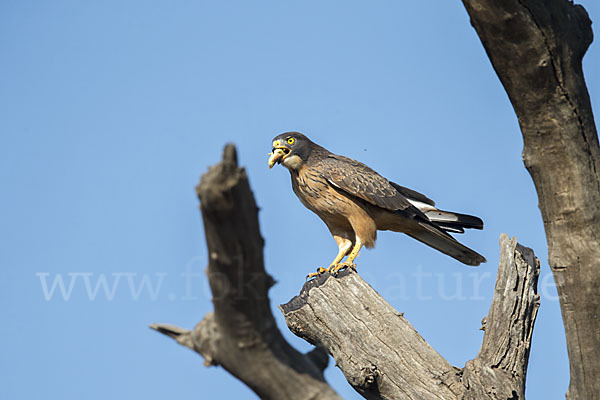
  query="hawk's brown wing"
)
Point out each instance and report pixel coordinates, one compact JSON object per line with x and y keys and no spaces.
{"x":358,"y":180}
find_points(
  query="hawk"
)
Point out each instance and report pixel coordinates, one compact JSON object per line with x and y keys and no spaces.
{"x":355,"y":202}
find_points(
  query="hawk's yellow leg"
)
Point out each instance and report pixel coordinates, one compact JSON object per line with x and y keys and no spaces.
{"x":334,"y":268}
{"x":344,"y":245}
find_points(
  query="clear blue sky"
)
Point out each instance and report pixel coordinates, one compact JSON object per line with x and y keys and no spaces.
{"x":110,"y":112}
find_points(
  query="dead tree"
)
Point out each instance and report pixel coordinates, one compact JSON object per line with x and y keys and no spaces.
{"x":536,"y":48}
{"x":380,"y":353}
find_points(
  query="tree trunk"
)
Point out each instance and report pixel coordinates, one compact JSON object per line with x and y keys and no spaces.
{"x":536,"y":48}
{"x":241,"y":334}
{"x":383,"y":356}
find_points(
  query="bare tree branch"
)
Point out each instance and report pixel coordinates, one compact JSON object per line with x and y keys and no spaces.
{"x":241,"y":334}
{"x":383,"y":356}
{"x":501,"y":365}
{"x":536,"y":48}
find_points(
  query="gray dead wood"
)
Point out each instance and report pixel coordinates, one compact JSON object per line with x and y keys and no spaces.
{"x":241,"y":334}
{"x":383,"y":356}
{"x":536,"y":48}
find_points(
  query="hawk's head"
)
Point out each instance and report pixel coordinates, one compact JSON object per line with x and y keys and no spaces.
{"x":290,"y":149}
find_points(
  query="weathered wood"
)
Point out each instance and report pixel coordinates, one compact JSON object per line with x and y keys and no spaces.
{"x":383,"y":356}
{"x":536,"y":48}
{"x":241,"y":334}
{"x":380,"y":353}
{"x":500,"y":368}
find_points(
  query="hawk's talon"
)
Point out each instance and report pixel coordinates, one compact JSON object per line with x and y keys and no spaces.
{"x":320,"y":271}
{"x":335,"y":269}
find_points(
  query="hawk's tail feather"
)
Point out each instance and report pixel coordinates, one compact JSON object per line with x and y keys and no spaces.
{"x":454,"y":222}
{"x":441,"y":241}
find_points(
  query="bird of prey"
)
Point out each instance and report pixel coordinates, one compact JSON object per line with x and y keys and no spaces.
{"x":355,"y":202}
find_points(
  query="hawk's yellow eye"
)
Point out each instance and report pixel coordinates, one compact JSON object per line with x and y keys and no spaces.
{"x":291,"y":140}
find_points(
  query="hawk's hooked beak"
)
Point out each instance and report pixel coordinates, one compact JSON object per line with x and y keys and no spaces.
{"x":278,"y":154}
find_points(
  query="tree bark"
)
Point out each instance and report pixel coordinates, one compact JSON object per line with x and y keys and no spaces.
{"x":383,"y":356}
{"x":241,"y":334}
{"x":536,"y":48}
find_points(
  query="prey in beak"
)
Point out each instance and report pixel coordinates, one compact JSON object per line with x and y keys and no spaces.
{"x":278,"y":154}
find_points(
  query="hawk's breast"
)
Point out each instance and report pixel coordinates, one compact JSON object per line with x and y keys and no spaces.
{"x":317,"y":194}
